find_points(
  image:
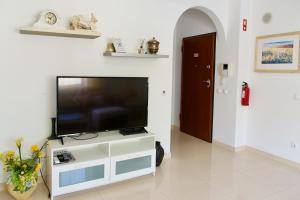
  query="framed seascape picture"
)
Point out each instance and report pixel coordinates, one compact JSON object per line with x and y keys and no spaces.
{"x":278,"y":53}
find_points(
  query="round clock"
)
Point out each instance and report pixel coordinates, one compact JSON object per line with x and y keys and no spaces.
{"x":50,"y":18}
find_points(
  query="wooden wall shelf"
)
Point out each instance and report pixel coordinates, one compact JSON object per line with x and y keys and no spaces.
{"x":60,"y":32}
{"x":134,"y":55}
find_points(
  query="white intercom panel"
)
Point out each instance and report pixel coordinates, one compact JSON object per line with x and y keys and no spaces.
{"x":225,"y":70}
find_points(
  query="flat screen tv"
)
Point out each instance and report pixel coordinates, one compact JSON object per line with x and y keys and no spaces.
{"x":94,"y":104}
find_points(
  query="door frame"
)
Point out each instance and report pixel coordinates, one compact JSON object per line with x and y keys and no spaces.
{"x":212,"y":82}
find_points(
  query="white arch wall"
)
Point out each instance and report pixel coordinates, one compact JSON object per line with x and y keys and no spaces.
{"x":257,"y":125}
{"x":231,"y":119}
{"x":192,"y":22}
{"x":229,"y":124}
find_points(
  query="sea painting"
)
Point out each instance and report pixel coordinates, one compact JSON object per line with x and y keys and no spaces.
{"x":280,"y":52}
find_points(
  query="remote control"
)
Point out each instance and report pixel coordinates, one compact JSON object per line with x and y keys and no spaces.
{"x":56,"y":161}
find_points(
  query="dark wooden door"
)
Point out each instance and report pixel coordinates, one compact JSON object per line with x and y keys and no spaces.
{"x":197,"y":86}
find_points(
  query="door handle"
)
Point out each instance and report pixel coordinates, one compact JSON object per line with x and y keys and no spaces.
{"x":207,"y":82}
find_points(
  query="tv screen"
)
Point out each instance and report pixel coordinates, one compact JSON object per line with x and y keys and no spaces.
{"x":93,"y":104}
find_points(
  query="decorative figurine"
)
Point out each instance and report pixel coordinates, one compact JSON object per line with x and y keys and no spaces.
{"x":153,"y":46}
{"x":78,"y":22}
{"x":110,"y":47}
{"x":118,"y":45}
{"x":141,"y":50}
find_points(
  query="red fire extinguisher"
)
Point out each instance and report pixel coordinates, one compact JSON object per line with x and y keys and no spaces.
{"x":245,"y":94}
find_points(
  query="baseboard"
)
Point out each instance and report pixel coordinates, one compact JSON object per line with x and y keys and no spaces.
{"x":274,"y":157}
{"x":168,"y":156}
{"x":174,"y":127}
{"x":243,"y":148}
{"x":228,"y":147}
{"x":240,"y":148}
{"x":257,"y":151}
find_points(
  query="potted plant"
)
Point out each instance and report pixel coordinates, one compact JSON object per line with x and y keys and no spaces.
{"x":22,"y":174}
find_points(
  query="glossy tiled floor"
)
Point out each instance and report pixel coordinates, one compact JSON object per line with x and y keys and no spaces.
{"x":201,"y":171}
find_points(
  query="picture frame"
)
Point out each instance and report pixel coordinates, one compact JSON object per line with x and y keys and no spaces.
{"x":119,"y":47}
{"x":278,"y":53}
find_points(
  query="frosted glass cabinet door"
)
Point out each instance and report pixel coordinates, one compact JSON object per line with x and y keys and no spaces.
{"x":81,"y":175}
{"x":70,"y":178}
{"x":132,"y":166}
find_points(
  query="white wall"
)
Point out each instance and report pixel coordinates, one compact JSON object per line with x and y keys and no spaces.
{"x":271,"y":122}
{"x":243,"y":70}
{"x":227,"y":111}
{"x":225,"y":104}
{"x":30,"y":63}
{"x":192,"y":22}
{"x":274,"y":114}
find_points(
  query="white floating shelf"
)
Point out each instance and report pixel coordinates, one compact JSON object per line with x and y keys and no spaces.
{"x":134,"y":55}
{"x":60,"y":32}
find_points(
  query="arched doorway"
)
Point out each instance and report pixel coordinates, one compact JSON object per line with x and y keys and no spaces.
{"x":193,"y":22}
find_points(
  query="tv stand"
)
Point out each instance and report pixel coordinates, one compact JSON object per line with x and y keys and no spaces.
{"x":107,"y":159}
{"x":132,"y":131}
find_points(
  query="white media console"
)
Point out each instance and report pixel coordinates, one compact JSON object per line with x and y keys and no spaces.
{"x":109,"y":158}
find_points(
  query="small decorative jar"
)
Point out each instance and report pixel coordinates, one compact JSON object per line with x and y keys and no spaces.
{"x":153,"y":46}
